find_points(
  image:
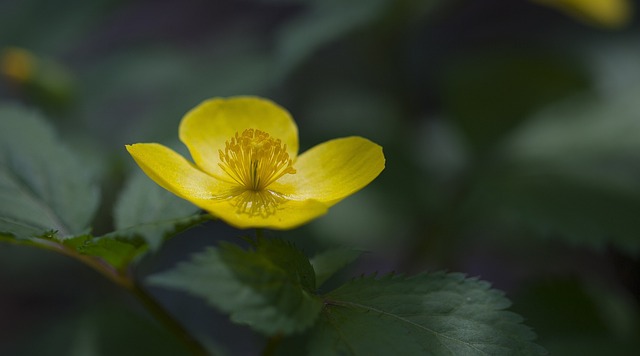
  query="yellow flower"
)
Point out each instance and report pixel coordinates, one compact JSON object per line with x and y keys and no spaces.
{"x":247,"y":170}
{"x":17,"y":64}
{"x":607,"y":13}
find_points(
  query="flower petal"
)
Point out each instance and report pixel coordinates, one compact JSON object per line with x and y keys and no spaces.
{"x":282,"y":215}
{"x":333,"y":170}
{"x":206,"y":128}
{"x":174,"y":173}
{"x":234,"y":205}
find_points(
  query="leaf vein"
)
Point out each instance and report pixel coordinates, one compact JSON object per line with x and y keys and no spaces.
{"x":438,"y":334}
{"x":31,"y":194}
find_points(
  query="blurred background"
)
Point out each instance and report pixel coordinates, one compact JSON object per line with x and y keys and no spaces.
{"x":511,"y":131}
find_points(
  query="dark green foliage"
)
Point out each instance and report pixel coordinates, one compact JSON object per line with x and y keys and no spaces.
{"x":325,"y":21}
{"x":571,"y":172}
{"x":496,"y":130}
{"x":574,"y":317}
{"x":48,"y":197}
{"x":520,"y":83}
{"x":147,"y":211}
{"x":428,"y":314}
{"x":269,"y":288}
{"x":43,"y":185}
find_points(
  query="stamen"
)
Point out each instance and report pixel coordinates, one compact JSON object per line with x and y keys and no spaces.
{"x":254,"y":159}
{"x":257,"y":203}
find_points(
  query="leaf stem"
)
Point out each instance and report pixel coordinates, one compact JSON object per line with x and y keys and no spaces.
{"x":102,"y":267}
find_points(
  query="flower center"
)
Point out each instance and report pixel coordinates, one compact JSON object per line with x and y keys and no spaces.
{"x":257,"y":203}
{"x":254,"y":159}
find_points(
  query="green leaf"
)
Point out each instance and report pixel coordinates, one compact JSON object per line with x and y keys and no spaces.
{"x":43,"y":185}
{"x":145,"y":210}
{"x":326,"y":264}
{"x":269,"y":288}
{"x":286,"y":257}
{"x":437,"y":314}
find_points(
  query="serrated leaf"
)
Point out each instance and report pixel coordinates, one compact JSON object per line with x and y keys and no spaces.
{"x":327,"y":263}
{"x":43,"y":185}
{"x":286,"y":257}
{"x":269,"y":288}
{"x":145,"y":210}
{"x":429,"y":314}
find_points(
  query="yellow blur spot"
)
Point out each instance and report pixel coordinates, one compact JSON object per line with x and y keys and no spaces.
{"x":604,"y":13}
{"x":17,"y":64}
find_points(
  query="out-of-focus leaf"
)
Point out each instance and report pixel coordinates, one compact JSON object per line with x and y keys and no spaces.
{"x":613,"y":65}
{"x":41,"y":80}
{"x":64,"y":30}
{"x":270,"y":288}
{"x":43,"y":185}
{"x":324,"y":22}
{"x":48,"y":197}
{"x":572,"y":172}
{"x":437,"y":314}
{"x":489,"y":94}
{"x":572,"y":317}
{"x":131,"y":84}
{"x":342,"y":109}
{"x":442,"y":157}
{"x":586,"y":131}
{"x":145,"y":210}
{"x":327,"y":263}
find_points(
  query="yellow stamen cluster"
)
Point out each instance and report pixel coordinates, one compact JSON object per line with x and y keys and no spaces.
{"x":254,"y":159}
{"x":263,"y":203}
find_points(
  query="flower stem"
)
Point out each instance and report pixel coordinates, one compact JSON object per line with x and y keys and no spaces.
{"x":272,"y":345}
{"x":163,"y":316}
{"x":126,"y":280}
